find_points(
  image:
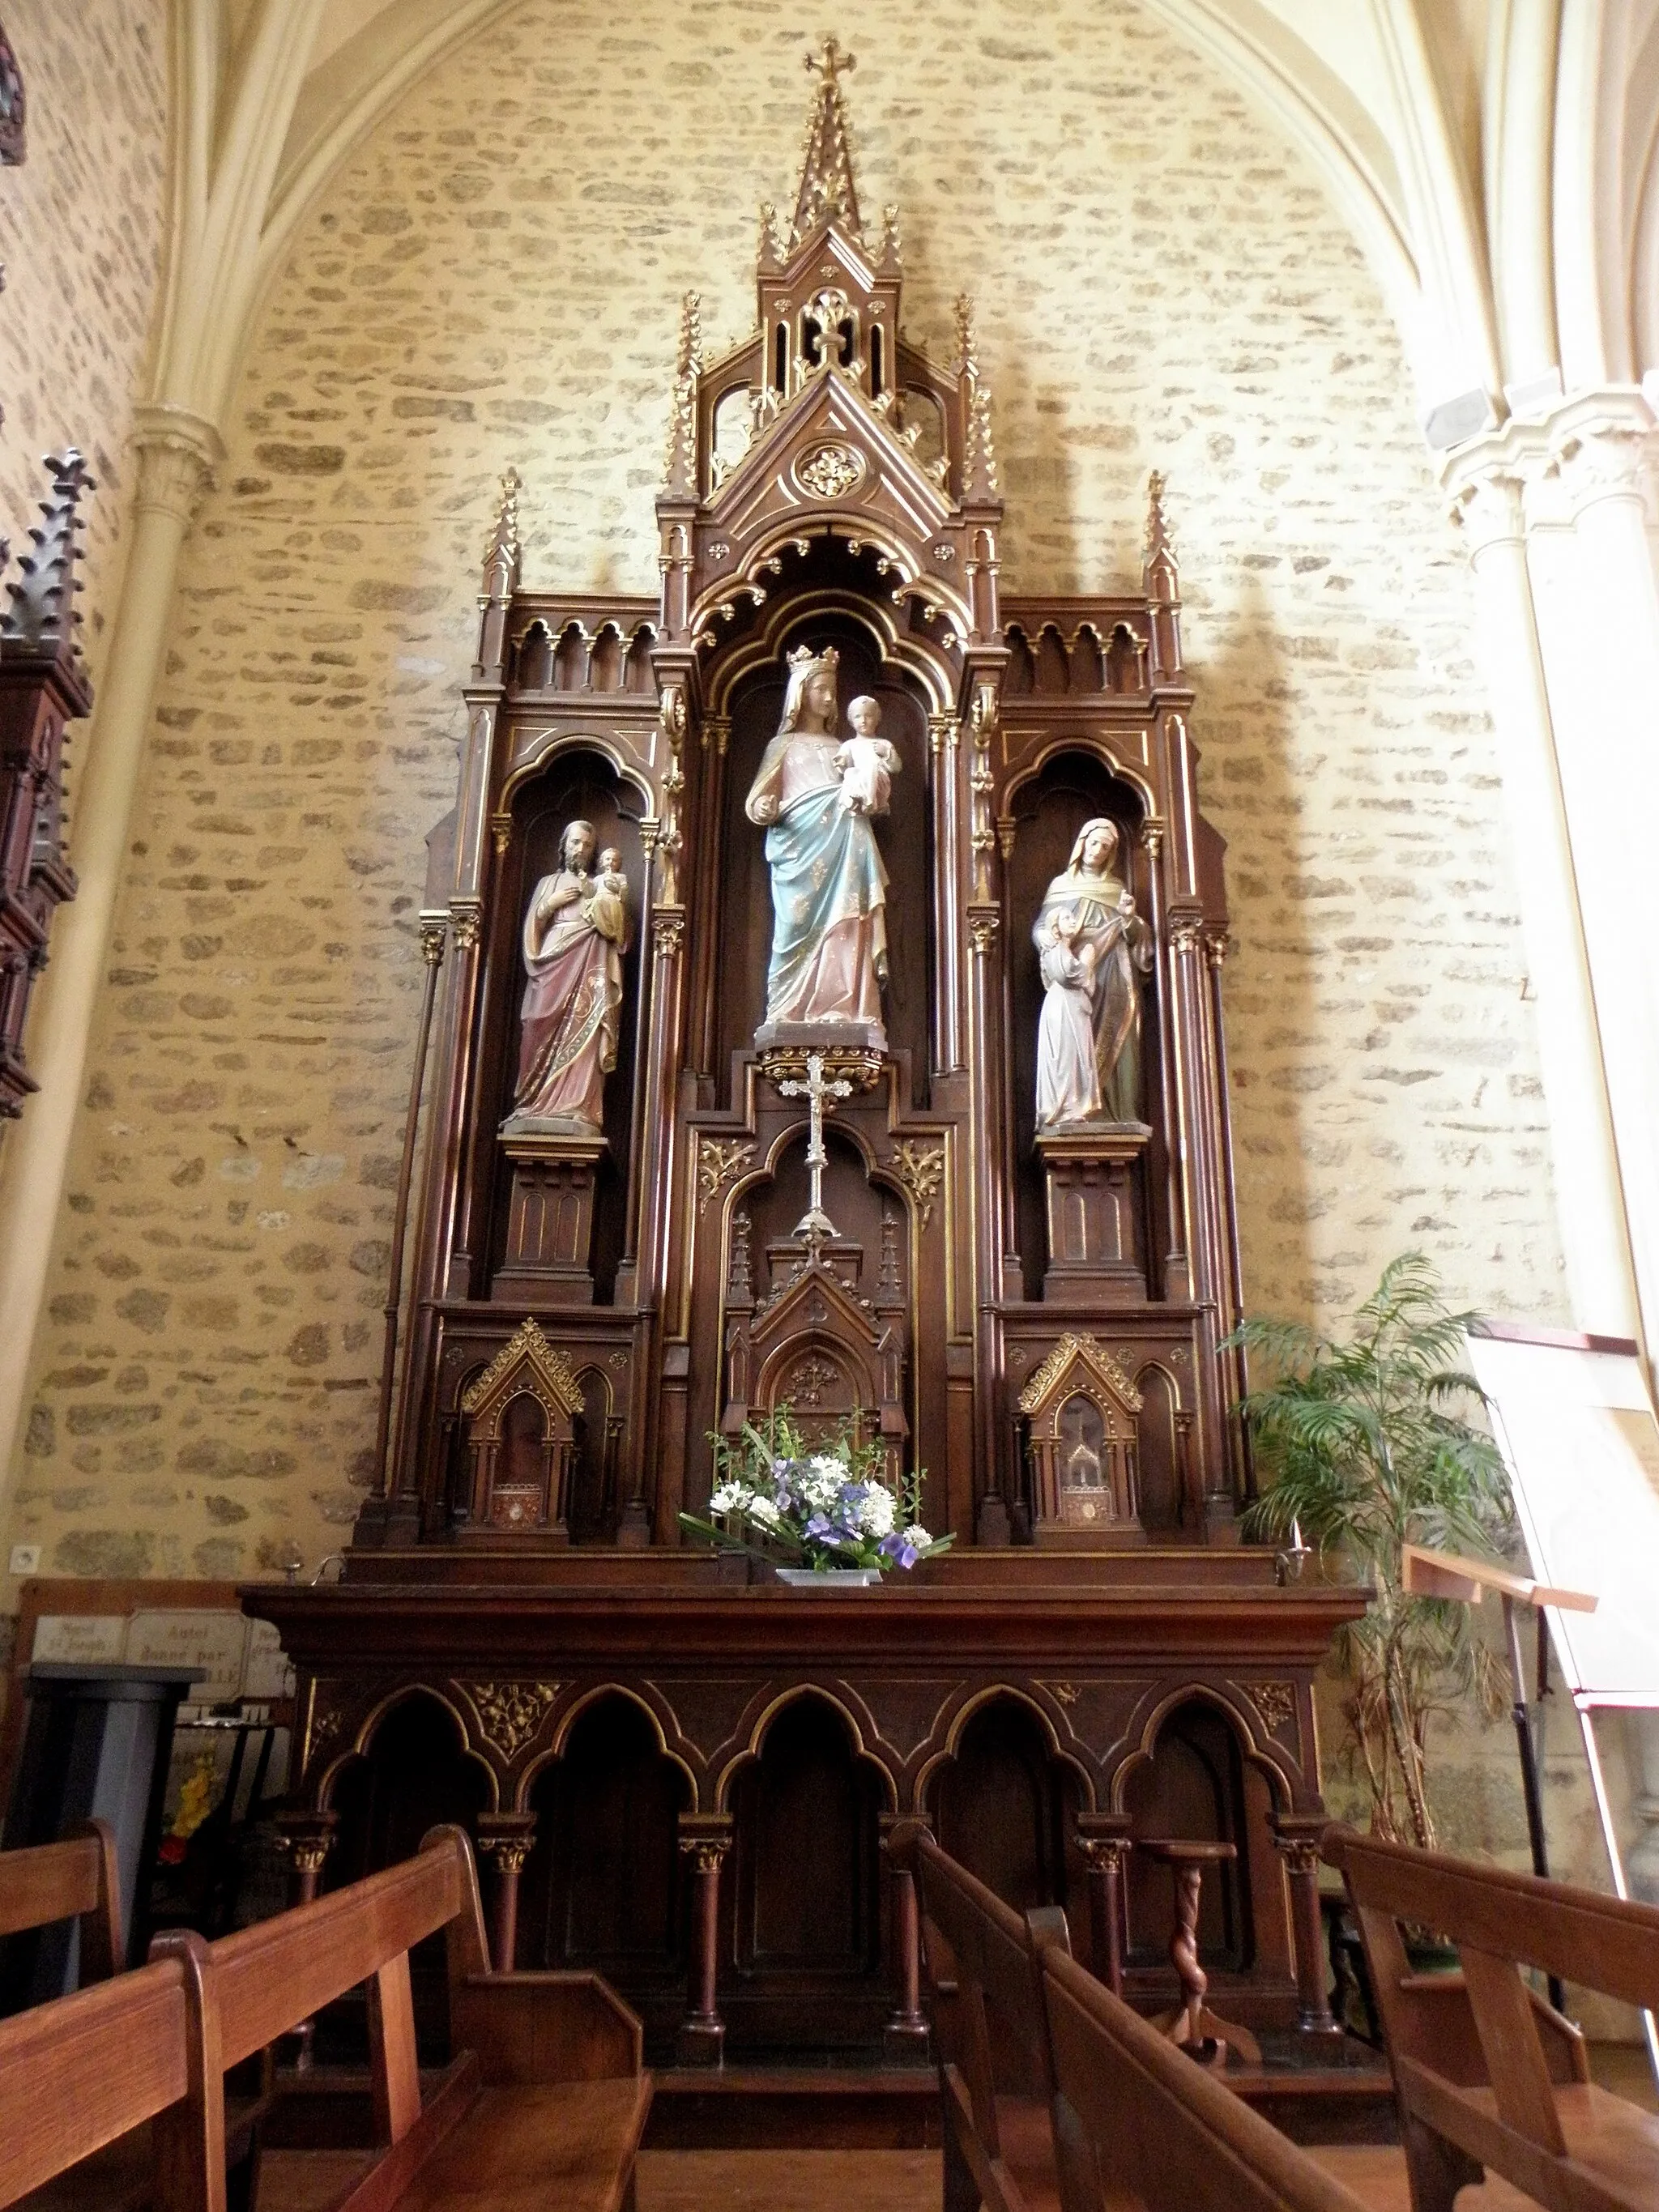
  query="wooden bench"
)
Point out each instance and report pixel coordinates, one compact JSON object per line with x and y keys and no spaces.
{"x":1486,"y":2074}
{"x":75,"y":1880}
{"x":991,"y":2033}
{"x":544,"y":2102}
{"x":1138,"y":2122}
{"x":84,"y":2071}
{"x":545,"y":2107}
{"x":1055,"y":2092}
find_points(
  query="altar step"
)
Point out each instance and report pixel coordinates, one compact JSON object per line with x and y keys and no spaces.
{"x":742,"y":2107}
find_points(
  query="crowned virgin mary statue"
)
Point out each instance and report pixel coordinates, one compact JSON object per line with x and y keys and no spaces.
{"x":829,"y":885}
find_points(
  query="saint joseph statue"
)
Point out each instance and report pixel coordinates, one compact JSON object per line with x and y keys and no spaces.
{"x":829,"y":885}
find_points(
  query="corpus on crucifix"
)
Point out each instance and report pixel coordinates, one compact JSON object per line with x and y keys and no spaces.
{"x":815,"y":1222}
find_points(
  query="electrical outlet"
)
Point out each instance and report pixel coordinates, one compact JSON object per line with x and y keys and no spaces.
{"x":26,"y":1559}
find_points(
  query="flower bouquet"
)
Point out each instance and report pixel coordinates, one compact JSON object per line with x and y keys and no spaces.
{"x":812,"y":1510}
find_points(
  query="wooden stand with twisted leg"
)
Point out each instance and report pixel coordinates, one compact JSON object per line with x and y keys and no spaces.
{"x":1192,"y":2024}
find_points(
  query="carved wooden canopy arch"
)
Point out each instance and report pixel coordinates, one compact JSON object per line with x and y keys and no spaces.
{"x":521,"y":1432}
{"x":1081,"y":1408}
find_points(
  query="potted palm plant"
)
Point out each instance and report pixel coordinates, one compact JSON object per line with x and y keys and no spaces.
{"x":1367,"y":1446}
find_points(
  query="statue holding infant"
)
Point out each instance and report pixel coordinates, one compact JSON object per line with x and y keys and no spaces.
{"x":576,"y":931}
{"x":815,"y":794}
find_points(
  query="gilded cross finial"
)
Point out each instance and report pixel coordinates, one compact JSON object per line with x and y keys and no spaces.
{"x":827,"y":192}
{"x":831,"y":64}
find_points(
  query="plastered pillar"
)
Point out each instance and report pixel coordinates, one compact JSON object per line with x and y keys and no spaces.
{"x":1488,"y":504}
{"x":178,"y":452}
{"x":1591,"y":572}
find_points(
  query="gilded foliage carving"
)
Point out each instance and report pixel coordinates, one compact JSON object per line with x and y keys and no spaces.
{"x":511,"y":1714}
{"x":921,"y":1169}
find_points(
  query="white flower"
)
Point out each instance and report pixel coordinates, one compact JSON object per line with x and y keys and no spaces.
{"x":917,"y":1537}
{"x":762,"y":1508}
{"x":876,"y":1510}
{"x":821,"y":1480}
{"x":730,"y":1497}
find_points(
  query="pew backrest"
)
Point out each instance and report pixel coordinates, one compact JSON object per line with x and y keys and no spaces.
{"x":526,"y":2026}
{"x":1137,"y":2121}
{"x":254,"y":1986}
{"x":75,"y":1880}
{"x":76,"y":2073}
{"x":1487,"y":2096}
{"x":1000,"y":2028}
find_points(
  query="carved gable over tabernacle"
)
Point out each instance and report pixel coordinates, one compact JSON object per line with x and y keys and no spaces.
{"x":827,"y":415}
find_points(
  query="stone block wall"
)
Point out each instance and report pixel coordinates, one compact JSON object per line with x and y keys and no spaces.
{"x":495,"y":279}
{"x":83,"y":238}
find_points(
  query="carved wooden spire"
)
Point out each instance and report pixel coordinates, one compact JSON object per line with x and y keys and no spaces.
{"x":680,"y":465}
{"x":501,"y":573}
{"x":979,"y":457}
{"x":41,"y":620}
{"x":827,"y":192}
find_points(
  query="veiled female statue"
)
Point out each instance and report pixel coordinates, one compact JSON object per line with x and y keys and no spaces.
{"x":1094,"y":949}
{"x":576,"y":932}
{"x":815,"y":795}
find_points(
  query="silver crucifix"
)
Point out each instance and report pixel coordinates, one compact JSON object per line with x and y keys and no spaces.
{"x":815,"y":1224}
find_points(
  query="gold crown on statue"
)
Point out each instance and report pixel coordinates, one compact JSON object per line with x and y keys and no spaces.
{"x":803,"y":657}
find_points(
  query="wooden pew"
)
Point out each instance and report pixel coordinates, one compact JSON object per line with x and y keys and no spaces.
{"x":1486,"y":2074}
{"x":86,"y":2070}
{"x":992,"y":2034}
{"x":1138,"y":2122}
{"x":75,"y":1880}
{"x":546,"y":2106}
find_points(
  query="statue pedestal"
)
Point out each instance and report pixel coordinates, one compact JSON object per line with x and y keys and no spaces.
{"x":1096,"y":1249}
{"x":550,"y":1223}
{"x":852,"y":1052}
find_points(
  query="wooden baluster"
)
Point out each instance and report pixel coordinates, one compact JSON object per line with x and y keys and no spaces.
{"x":702,"y":2037}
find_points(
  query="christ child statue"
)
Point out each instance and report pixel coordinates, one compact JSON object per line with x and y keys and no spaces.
{"x":865,"y":763}
{"x":608,"y":907}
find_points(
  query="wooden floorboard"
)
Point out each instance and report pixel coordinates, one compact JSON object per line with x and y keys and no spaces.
{"x":789,"y":2181}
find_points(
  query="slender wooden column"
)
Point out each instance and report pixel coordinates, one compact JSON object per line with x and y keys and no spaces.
{"x":1106,"y":1844}
{"x":1297,"y":1844}
{"x":904,"y":2037}
{"x":702,"y":2037}
{"x":509,"y":1839}
{"x":308,"y":1837}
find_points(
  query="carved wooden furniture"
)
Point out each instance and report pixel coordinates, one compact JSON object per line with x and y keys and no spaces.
{"x":882,"y":1243}
{"x":691,"y":1777}
{"x":1142,"y":2126}
{"x":827,"y":484}
{"x":1487,"y":2075}
{"x":42,"y":687}
{"x":1192,"y":2024}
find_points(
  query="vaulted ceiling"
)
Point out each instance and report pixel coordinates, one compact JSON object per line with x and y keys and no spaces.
{"x":1494,"y":158}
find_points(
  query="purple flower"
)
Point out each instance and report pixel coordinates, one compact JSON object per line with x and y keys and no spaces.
{"x":898,"y":1548}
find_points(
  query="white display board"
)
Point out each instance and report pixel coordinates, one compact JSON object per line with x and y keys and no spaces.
{"x":1578,"y":1434}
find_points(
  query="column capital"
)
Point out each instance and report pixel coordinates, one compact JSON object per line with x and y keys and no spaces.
{"x":178,"y":453}
{"x":1596,"y":444}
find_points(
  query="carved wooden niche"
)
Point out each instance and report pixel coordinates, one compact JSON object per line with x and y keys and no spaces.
{"x":837,"y":1360}
{"x":1081,"y":1410}
{"x":520,"y":1432}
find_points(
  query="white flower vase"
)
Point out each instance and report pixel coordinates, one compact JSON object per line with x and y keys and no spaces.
{"x":828,"y":1577}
